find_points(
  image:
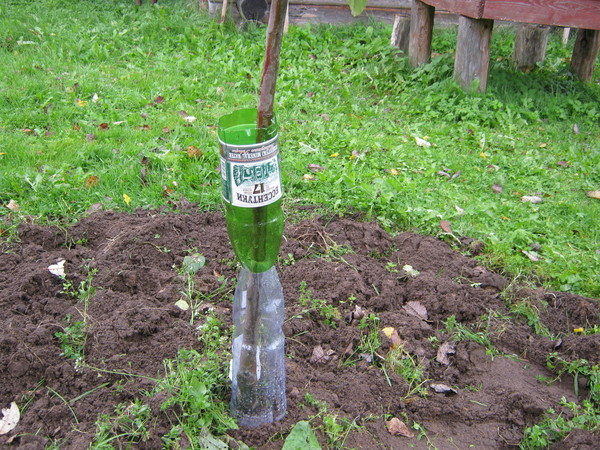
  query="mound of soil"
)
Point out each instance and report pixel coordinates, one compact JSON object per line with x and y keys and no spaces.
{"x":134,"y":325}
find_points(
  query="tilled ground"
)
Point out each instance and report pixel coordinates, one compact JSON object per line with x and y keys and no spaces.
{"x":133,"y":325}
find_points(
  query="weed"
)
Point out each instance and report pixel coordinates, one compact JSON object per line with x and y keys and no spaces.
{"x":531,"y":315}
{"x":555,"y":427}
{"x":196,"y":383}
{"x":328,"y":313}
{"x":460,"y":332}
{"x":577,"y":368}
{"x":72,"y":340}
{"x":335,"y":428}
{"x":128,"y":425}
{"x":410,"y":369}
{"x":289,"y":260}
{"x":192,"y":298}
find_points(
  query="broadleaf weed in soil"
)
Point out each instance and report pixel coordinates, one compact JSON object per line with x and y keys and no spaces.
{"x":556,"y":426}
{"x":325,"y":311}
{"x":196,"y":382}
{"x":91,"y":92}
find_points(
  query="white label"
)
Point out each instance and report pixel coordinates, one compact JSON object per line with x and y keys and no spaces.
{"x":251,"y":174}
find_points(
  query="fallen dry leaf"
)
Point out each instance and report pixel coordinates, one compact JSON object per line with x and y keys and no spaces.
{"x":95,"y":98}
{"x":442,"y":173}
{"x":193,"y":151}
{"x":167,"y":130}
{"x":398,"y":428}
{"x":321,"y":356}
{"x":356,"y":315}
{"x":315,"y":168}
{"x":144,"y":127}
{"x":532,"y":199}
{"x":593,"y":194}
{"x":422,"y":142}
{"x":325,"y":117}
{"x":394,"y":172}
{"x":187,"y":117}
{"x":103,"y":126}
{"x":445,"y":226}
{"x":447,"y":348}
{"x":10,"y":418}
{"x":57,"y":269}
{"x":497,"y":188}
{"x":158,"y":100}
{"x":310,"y":94}
{"x":416,"y":309}
{"x":80,"y":103}
{"x":393,"y":336}
{"x":411,"y":270}
{"x":575,"y":128}
{"x":126,"y":199}
{"x":166,"y":191}
{"x":90,"y":181}
{"x":563,"y":163}
{"x":441,"y":388}
{"x":532,"y":255}
{"x":76,"y":127}
{"x":93,"y":208}
{"x":90,"y":137}
{"x":459,"y":210}
{"x":308,"y":177}
{"x":182,"y":304}
{"x":13,"y":206}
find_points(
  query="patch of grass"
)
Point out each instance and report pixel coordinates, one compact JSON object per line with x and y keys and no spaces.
{"x":555,"y":427}
{"x":327,"y":313}
{"x":370,"y":341}
{"x":410,"y":369}
{"x":128,"y":426}
{"x":460,"y":332}
{"x":531,"y":315}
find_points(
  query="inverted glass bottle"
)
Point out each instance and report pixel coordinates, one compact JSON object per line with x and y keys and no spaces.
{"x":251,"y":189}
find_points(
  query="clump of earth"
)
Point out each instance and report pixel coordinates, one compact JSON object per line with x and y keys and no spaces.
{"x":491,"y":387}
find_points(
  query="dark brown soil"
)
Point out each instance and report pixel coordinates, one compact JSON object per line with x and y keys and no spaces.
{"x":133,"y":325}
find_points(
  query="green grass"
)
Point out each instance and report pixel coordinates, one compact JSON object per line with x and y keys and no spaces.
{"x":57,"y":54}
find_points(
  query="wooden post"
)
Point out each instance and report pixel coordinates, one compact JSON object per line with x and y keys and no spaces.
{"x":401,"y":33}
{"x":421,"y":27}
{"x":530,"y":46}
{"x":565,"y":36}
{"x":224,"y":10}
{"x":472,"y":59}
{"x":585,"y":51}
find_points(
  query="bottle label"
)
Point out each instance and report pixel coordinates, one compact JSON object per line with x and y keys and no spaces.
{"x":250,"y":174}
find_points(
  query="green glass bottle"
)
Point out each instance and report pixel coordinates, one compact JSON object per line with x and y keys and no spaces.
{"x":251,"y":189}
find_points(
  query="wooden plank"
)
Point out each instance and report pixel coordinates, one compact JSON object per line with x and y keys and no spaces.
{"x":371,"y":3}
{"x":470,"y":8}
{"x":566,"y":13}
{"x":401,"y":33}
{"x":530,"y":45}
{"x":472,"y":59}
{"x":585,"y":52}
{"x":421,"y":28}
